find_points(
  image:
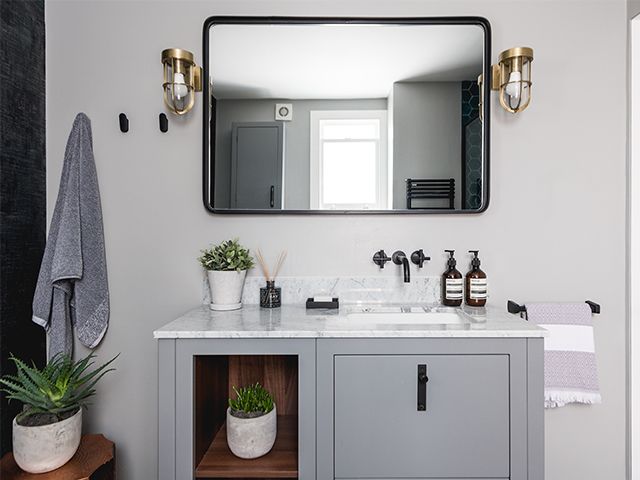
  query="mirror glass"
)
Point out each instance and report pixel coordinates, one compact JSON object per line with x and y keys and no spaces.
{"x":345,"y":117}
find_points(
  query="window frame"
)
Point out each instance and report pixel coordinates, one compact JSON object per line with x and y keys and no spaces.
{"x":316,"y":117}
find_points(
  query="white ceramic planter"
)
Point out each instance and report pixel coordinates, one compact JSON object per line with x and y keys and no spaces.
{"x":251,"y":437}
{"x":45,"y":448}
{"x":226,"y":289}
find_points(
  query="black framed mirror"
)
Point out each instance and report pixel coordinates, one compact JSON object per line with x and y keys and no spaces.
{"x":310,"y":115}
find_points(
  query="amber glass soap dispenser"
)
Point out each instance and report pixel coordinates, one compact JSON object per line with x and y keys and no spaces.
{"x":451,"y":283}
{"x":475,"y":284}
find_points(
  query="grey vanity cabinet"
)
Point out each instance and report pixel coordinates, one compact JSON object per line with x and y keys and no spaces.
{"x":357,"y":405}
{"x":482,"y":414}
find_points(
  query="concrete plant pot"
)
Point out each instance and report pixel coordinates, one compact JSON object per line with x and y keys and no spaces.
{"x":44,"y":448}
{"x":226,"y":289}
{"x":251,"y":437}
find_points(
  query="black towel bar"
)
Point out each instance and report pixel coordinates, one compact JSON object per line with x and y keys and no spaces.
{"x":513,"y":307}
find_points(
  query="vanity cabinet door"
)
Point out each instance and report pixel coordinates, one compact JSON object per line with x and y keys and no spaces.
{"x":380,"y":430}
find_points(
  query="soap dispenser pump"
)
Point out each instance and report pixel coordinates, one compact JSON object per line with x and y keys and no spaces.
{"x":451,"y":283}
{"x":475,"y":284}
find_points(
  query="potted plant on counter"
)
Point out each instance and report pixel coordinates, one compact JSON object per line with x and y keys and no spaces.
{"x":226,"y":265}
{"x":251,"y":422}
{"x":46,"y":434}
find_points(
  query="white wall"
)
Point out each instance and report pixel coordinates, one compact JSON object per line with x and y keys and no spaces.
{"x":555,"y":229}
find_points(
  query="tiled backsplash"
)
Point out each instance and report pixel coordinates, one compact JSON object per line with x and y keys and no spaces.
{"x":296,"y":290}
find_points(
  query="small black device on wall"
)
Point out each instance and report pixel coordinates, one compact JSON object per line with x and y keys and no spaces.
{"x":163,"y":122}
{"x":124,"y":123}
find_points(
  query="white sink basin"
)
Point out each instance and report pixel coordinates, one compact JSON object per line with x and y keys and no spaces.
{"x":413,"y":317}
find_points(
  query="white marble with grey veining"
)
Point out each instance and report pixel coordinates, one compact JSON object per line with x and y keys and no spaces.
{"x":294,"y":321}
{"x":374,"y":289}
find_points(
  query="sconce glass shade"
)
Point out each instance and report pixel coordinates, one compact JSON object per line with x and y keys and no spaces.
{"x":514,"y":75}
{"x":182,"y":78}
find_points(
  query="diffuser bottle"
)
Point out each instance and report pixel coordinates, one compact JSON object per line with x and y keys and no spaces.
{"x":475,"y":284}
{"x":451,"y":283}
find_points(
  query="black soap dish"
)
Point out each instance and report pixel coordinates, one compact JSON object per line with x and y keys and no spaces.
{"x":333,"y":304}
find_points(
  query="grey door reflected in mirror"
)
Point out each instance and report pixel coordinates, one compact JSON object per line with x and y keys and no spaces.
{"x":346,"y":115}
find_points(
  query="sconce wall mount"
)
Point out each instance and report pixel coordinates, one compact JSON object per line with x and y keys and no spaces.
{"x":182,"y":79}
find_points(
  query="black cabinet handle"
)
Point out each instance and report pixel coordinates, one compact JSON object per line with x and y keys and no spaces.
{"x":272,"y":196}
{"x":422,"y":387}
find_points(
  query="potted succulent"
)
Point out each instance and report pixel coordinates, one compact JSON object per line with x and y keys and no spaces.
{"x":251,"y":422}
{"x":226,"y":265}
{"x":46,"y":434}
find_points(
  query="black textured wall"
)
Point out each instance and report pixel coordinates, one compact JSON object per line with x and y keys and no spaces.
{"x":22,"y":185}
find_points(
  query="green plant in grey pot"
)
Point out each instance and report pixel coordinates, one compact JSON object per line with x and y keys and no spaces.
{"x":251,"y":422}
{"x":46,"y":434}
{"x":226,"y":265}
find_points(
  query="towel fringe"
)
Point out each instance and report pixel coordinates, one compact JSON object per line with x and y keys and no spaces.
{"x":555,"y":398}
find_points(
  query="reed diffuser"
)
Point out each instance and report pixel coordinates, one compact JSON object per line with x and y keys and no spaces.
{"x":270,"y":295}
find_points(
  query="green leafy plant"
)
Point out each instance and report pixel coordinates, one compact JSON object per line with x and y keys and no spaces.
{"x":227,"y":256}
{"x":59,"y":389}
{"x":251,"y":401}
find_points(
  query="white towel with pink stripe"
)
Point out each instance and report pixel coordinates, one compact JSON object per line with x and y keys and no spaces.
{"x":570,"y":372}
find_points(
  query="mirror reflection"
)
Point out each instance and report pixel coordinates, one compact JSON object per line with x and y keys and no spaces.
{"x":346,"y":117}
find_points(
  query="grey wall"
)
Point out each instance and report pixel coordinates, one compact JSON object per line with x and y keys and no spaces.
{"x":297,"y":140}
{"x":555,"y":229}
{"x":427,"y":120}
{"x":23,"y":199}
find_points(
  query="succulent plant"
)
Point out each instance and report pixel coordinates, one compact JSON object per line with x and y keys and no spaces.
{"x":251,"y":401}
{"x":61,"y":387}
{"x":227,"y":256}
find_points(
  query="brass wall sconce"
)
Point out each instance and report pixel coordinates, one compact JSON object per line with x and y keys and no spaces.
{"x":182,"y":79}
{"x":512,"y":78}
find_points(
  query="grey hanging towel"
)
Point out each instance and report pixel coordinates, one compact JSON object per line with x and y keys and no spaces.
{"x":72,"y":289}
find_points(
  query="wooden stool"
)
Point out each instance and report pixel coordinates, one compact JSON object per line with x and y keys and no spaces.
{"x":94,"y":460}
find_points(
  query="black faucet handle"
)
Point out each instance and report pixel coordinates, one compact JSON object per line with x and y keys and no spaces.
{"x":398,"y":256}
{"x":380,"y":258}
{"x":418,"y":257}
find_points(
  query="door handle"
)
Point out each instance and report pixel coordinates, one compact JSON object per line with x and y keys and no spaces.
{"x":422,"y":387}
{"x":272,"y":196}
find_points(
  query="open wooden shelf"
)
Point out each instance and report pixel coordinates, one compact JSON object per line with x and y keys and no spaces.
{"x":280,"y":462}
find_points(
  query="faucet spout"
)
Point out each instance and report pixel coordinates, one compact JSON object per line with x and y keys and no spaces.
{"x":407,"y":274}
{"x":399,"y":258}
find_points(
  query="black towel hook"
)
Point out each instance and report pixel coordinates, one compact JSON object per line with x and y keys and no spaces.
{"x":124,"y":123}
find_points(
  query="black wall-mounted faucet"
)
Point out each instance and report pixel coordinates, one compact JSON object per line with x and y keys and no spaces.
{"x":399,"y":258}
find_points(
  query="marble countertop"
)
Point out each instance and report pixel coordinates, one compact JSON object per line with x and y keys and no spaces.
{"x":295,"y":321}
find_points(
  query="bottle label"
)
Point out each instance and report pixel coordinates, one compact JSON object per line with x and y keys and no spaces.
{"x":477,"y":288}
{"x":453,"y":289}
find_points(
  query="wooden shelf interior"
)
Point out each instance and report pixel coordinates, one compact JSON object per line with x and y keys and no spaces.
{"x":280,"y":462}
{"x":214,"y":379}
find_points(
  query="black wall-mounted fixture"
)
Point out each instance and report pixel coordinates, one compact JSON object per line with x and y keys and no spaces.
{"x":418,"y":257}
{"x":163,"y":123}
{"x":124,"y":123}
{"x":380,"y":258}
{"x":399,"y":258}
{"x":513,"y":307}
